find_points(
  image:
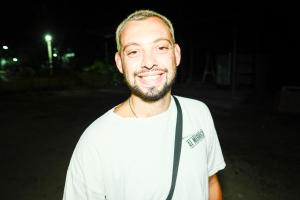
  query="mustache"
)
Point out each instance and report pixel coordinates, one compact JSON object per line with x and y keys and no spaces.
{"x":150,"y":70}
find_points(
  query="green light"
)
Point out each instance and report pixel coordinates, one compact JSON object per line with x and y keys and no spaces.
{"x":48,"y":37}
{"x":70,"y":55}
{"x":15,"y":59}
{"x":3,"y":62}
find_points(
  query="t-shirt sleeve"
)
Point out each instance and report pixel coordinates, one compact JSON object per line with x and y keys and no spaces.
{"x":84,"y":179}
{"x":215,"y":159}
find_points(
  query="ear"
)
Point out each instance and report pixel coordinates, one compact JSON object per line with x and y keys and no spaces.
{"x":118,"y":61}
{"x":177,"y":54}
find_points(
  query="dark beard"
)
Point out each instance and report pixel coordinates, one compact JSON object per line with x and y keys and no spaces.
{"x":152,"y":94}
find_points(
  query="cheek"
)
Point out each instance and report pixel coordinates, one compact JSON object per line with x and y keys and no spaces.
{"x":131,"y":65}
{"x":166,"y":61}
{"x":168,"y":57}
{"x":129,"y":69}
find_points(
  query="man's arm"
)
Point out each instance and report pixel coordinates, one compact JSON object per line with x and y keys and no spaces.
{"x":215,"y":192}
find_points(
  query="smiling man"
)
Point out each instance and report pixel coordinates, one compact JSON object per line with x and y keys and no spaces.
{"x":128,"y":152}
{"x":148,"y":58}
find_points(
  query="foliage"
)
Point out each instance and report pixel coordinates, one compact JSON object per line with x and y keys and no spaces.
{"x":102,"y":74}
{"x":25,"y":78}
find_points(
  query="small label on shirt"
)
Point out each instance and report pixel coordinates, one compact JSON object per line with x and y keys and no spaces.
{"x":194,"y":139}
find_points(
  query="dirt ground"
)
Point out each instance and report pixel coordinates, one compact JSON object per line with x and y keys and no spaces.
{"x":39,"y":132}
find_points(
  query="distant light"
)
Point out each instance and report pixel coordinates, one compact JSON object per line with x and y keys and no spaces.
{"x":5,"y":47}
{"x":48,"y":37}
{"x":55,"y":55}
{"x":3,"y":62}
{"x":70,"y":55}
{"x":15,"y":59}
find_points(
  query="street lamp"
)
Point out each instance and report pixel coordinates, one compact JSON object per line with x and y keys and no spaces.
{"x":48,"y":39}
{"x":3,"y":56}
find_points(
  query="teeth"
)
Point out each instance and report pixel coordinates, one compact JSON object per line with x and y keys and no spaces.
{"x":152,"y":73}
{"x":151,"y":80}
{"x":150,"y":77}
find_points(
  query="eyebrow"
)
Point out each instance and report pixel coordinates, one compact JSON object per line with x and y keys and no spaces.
{"x":137,"y":44}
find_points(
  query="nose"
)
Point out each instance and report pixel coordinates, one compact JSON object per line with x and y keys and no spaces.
{"x":149,"y":61}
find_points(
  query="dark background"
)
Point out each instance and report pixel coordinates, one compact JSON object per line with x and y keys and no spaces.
{"x":269,"y":29}
{"x":258,"y":130}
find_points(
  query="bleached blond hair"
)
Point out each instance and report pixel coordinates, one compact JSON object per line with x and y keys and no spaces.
{"x":142,"y":15}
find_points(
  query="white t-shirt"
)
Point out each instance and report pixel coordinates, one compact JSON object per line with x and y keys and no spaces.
{"x":120,"y":158}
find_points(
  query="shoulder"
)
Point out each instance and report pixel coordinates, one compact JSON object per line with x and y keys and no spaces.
{"x":92,"y":140}
{"x":192,"y":104}
{"x":96,"y":129}
{"x":195,"y":112}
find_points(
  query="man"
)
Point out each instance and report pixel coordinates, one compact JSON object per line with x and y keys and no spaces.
{"x":127,"y":153}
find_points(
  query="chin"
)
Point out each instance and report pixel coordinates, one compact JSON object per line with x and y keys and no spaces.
{"x":151,"y":94}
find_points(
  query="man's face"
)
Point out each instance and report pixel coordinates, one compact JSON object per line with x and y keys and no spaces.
{"x":148,"y":58}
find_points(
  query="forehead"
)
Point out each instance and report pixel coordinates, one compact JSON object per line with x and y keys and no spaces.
{"x":145,"y":31}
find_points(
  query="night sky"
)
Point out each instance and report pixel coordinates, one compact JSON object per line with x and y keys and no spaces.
{"x":26,"y":22}
{"x":83,"y":25}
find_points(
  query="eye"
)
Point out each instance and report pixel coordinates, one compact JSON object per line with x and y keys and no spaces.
{"x":163,"y":47}
{"x":133,"y":52}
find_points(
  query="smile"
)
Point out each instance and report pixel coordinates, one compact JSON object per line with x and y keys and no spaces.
{"x":151,"y":79}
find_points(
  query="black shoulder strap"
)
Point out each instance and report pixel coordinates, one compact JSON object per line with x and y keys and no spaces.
{"x":177,"y":147}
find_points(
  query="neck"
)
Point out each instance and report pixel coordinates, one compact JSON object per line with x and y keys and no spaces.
{"x":140,"y":108}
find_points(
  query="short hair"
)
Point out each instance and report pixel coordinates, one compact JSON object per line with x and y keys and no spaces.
{"x":142,"y":15}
